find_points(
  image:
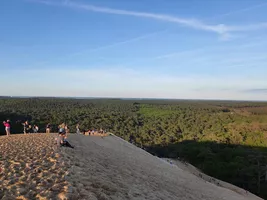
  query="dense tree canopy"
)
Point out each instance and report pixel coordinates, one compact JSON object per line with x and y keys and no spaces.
{"x":227,"y":140}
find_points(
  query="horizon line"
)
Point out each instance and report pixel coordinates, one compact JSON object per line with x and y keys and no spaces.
{"x":129,"y":98}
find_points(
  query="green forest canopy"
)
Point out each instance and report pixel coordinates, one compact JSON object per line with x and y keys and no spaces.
{"x":225,"y":139}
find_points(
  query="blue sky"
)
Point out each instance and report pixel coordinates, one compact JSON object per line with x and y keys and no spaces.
{"x":142,"y":48}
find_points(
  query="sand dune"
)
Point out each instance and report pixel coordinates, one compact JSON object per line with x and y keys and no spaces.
{"x":33,"y":167}
{"x":193,"y":170}
{"x":111,"y":168}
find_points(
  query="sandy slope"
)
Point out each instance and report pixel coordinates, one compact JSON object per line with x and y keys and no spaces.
{"x":110,"y":168}
{"x":31,"y":168}
{"x":193,"y":170}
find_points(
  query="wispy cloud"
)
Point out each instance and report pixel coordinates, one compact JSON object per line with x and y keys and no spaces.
{"x":250,"y":27}
{"x":145,"y":36}
{"x":91,"y":50}
{"x":240,"y":11}
{"x":254,"y":42}
{"x":221,"y":29}
{"x":257,"y":90}
{"x":180,"y":53}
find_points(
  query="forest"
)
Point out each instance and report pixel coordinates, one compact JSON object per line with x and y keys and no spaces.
{"x":224,"y":139}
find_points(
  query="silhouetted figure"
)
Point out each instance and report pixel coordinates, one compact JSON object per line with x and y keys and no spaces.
{"x":26,"y":127}
{"x":131,"y":139}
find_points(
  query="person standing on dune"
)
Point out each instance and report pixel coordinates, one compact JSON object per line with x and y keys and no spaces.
{"x":61,"y":132}
{"x":35,"y":129}
{"x":48,"y":128}
{"x":67,"y":130}
{"x":78,"y":129}
{"x":26,"y":127}
{"x":7,"y":127}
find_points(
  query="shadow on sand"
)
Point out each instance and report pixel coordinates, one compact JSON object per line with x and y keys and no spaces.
{"x":243,"y":166}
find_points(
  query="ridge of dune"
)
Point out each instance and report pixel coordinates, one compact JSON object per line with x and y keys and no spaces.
{"x":112,"y":168}
{"x":98,"y":168}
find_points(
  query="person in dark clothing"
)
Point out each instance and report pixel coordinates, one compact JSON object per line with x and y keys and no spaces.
{"x":131,"y":139}
{"x":26,"y":127}
{"x":65,"y":143}
{"x":62,"y":140}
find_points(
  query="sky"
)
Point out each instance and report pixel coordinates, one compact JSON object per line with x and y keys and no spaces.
{"x":134,"y":48}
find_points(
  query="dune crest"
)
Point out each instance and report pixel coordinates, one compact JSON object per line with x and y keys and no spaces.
{"x":98,"y":168}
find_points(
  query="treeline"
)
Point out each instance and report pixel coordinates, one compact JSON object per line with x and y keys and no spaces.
{"x":225,"y":139}
{"x":88,"y":113}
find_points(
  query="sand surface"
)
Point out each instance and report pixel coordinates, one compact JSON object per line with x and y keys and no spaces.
{"x":110,"y":168}
{"x":193,"y":170}
{"x":31,"y":168}
{"x":98,"y":168}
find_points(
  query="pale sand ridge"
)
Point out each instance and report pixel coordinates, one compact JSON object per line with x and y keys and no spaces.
{"x":111,"y":168}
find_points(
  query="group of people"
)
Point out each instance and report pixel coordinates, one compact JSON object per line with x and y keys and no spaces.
{"x":90,"y":131}
{"x":28,"y":128}
{"x":94,"y":132}
{"x":63,"y":129}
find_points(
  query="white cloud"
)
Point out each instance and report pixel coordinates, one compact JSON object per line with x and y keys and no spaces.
{"x":221,"y":29}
